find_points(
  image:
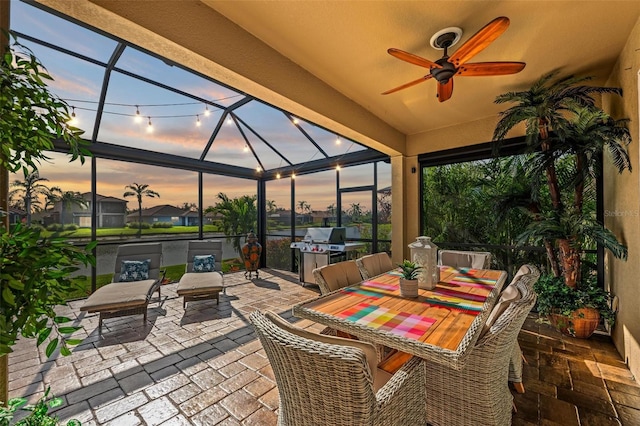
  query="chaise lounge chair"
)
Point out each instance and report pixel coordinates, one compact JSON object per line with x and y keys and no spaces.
{"x":202,"y":280}
{"x":134,"y":282}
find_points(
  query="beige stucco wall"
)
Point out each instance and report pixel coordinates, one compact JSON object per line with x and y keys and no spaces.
{"x":622,"y":207}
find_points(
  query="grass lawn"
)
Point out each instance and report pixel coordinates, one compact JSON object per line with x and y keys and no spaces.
{"x":121,"y":232}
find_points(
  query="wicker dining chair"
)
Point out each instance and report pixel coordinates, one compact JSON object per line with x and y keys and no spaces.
{"x":516,"y":363}
{"x":337,"y":275}
{"x":465,"y":259}
{"x":324,"y":380}
{"x":479,"y":394}
{"x":375,"y":264}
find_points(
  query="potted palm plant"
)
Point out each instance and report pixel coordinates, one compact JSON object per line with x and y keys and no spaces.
{"x":566,"y":134}
{"x":409,"y":278}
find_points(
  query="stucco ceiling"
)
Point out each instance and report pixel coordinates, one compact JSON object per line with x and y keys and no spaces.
{"x":345,"y":45}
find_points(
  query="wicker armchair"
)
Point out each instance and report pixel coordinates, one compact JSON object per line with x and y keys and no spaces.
{"x":374,"y":264}
{"x":325,"y":380}
{"x":479,"y":393}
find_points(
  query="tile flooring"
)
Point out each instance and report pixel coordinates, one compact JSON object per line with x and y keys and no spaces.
{"x":204,"y":366}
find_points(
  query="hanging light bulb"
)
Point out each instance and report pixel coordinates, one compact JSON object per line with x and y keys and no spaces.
{"x":246,"y":148}
{"x":229,"y":120}
{"x":338,"y":141}
{"x":278,"y":175}
{"x":206,"y":111}
{"x":138,"y":117}
{"x":258,"y":169}
{"x":293,"y":175}
{"x":295,"y":120}
{"x":73,"y":121}
{"x":198,"y":123}
{"x":337,"y":168}
{"x":149,"y":126}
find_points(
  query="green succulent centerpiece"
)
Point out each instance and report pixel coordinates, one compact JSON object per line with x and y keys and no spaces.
{"x":409,"y":278}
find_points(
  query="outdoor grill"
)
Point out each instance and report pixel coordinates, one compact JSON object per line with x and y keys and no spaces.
{"x":320,"y":247}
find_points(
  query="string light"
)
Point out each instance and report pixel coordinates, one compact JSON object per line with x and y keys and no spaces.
{"x":293,"y":175}
{"x":337,"y":168}
{"x":246,"y":148}
{"x":150,"y":126}
{"x":206,"y":111}
{"x":258,"y":169}
{"x":295,"y":120}
{"x":73,"y":121}
{"x":198,"y":123}
{"x":278,"y":175}
{"x":138,"y":118}
{"x":338,"y":141}
{"x":229,"y":120}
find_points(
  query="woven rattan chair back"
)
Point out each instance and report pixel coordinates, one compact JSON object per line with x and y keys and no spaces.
{"x":465,"y":259}
{"x":337,"y":275}
{"x":328,"y":384}
{"x":479,"y":394}
{"x":374,"y":264}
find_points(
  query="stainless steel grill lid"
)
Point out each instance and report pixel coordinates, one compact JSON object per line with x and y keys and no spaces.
{"x":326,"y":235}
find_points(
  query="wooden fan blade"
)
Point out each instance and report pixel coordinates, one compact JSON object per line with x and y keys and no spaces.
{"x":490,"y":68}
{"x":480,"y":40}
{"x":445,"y":90}
{"x":409,"y":84}
{"x":412,"y":59}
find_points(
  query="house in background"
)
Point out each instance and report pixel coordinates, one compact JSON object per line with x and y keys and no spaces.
{"x":167,"y":214}
{"x":111,"y":212}
{"x":16,"y":215}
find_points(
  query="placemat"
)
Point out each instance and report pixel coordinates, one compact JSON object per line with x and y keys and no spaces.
{"x":401,"y":323}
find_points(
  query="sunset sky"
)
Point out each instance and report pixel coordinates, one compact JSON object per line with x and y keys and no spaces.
{"x":174,"y":119}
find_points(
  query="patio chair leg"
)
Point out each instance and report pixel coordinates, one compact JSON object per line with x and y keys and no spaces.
{"x":518,"y":386}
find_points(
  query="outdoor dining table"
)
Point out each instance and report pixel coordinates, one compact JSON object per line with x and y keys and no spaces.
{"x":440,"y":325}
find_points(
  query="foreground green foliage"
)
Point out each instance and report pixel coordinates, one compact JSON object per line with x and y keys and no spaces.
{"x":31,"y":117}
{"x":35,"y":276}
{"x":39,"y":412}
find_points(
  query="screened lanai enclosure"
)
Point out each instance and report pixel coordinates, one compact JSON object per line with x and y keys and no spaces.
{"x":193,"y":144}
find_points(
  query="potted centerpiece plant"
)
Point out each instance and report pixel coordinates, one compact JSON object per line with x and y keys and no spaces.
{"x":409,"y":278}
{"x":567,"y":135}
{"x":35,"y":269}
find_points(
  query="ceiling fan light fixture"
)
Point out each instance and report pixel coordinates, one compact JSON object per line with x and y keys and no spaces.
{"x":446,"y":38}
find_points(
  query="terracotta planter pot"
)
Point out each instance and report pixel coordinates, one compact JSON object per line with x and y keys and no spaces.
{"x":581,"y":323}
{"x":408,"y":288}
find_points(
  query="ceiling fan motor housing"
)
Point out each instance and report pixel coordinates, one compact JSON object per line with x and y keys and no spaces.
{"x":448,"y":70}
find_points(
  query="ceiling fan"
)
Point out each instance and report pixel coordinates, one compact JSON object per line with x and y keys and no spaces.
{"x":446,"y":67}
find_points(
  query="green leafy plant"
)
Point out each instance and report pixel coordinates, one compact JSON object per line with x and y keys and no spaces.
{"x":410,"y":270}
{"x":35,"y":276}
{"x":31,"y":117}
{"x":39,"y":412}
{"x":556,"y":298}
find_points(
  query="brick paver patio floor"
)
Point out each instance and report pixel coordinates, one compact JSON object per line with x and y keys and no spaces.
{"x":204,"y":366}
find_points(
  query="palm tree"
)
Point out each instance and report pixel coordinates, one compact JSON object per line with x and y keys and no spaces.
{"x":561,"y":122}
{"x":30,"y":189}
{"x":271,"y":206}
{"x":239,"y":217}
{"x":140,"y":190}
{"x":67,"y":199}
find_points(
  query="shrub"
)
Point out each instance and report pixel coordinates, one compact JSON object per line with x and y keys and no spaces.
{"x":162,"y":225}
{"x":55,"y":227}
{"x":136,"y":225}
{"x":71,"y":227}
{"x":279,"y":253}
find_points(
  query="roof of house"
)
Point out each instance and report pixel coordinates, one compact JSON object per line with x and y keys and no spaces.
{"x":162,"y":210}
{"x":103,"y":198}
